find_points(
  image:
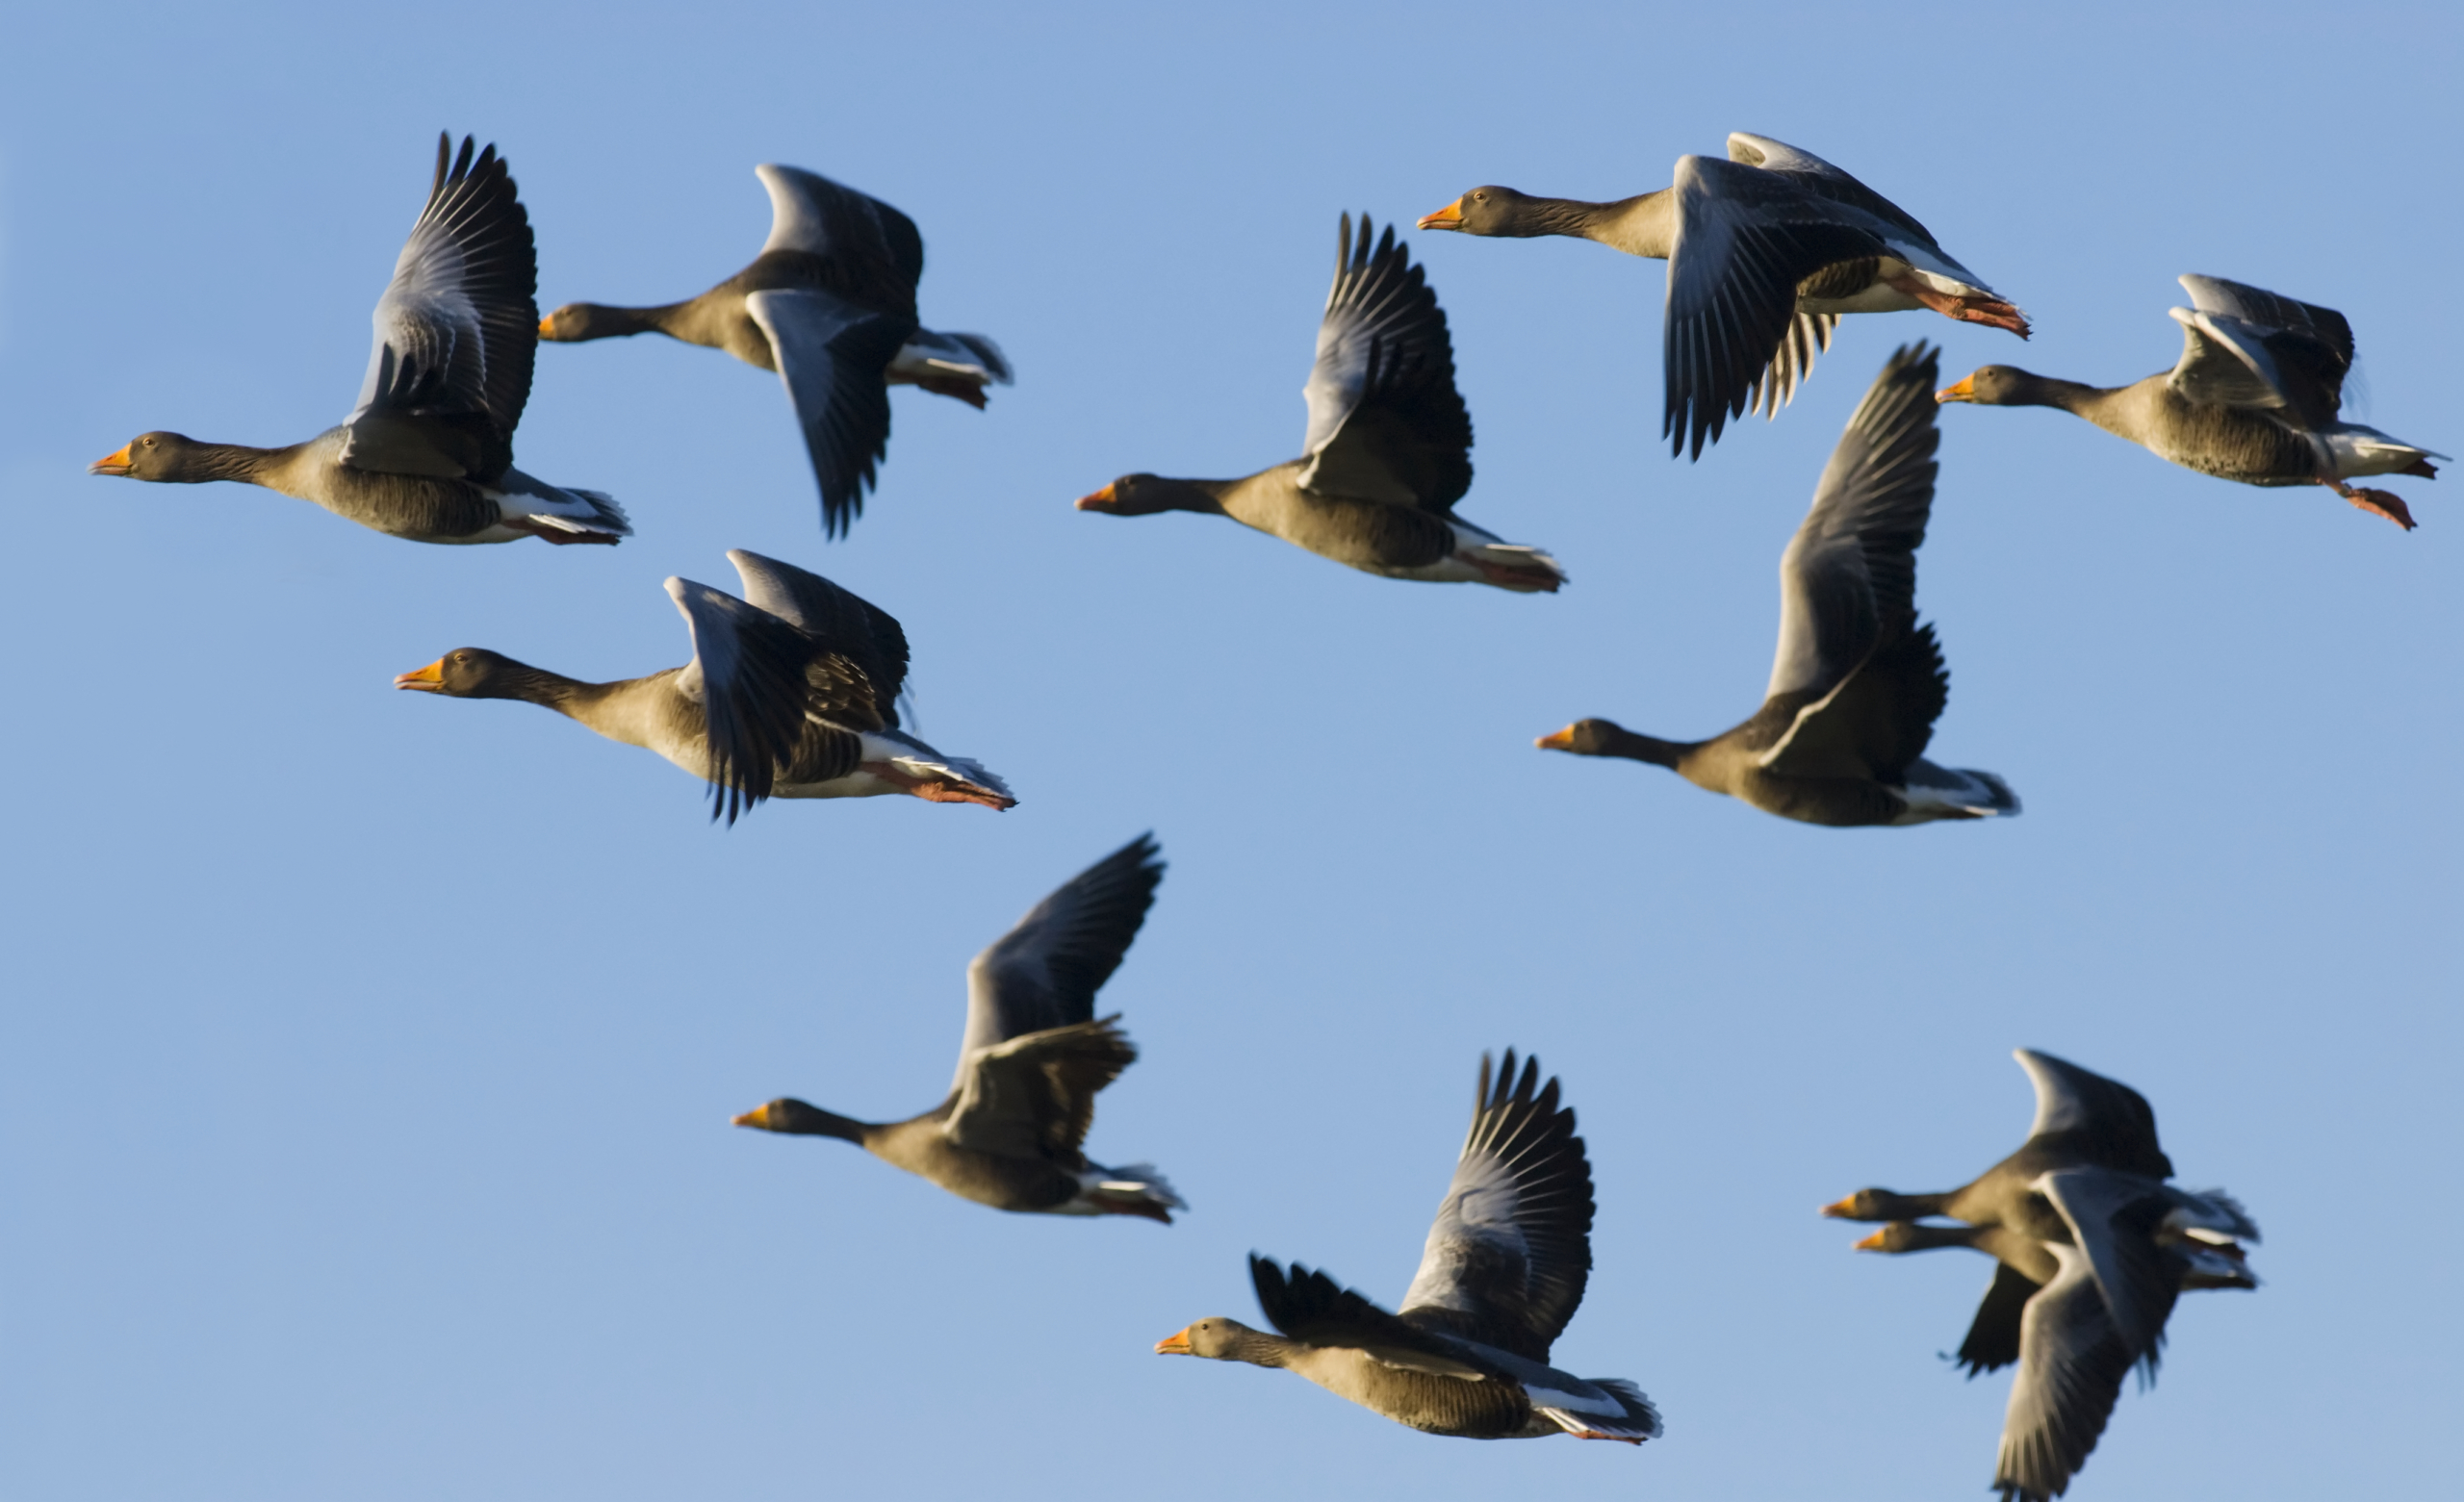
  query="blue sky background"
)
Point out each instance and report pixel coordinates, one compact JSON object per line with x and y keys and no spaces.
{"x":365,"y":1077}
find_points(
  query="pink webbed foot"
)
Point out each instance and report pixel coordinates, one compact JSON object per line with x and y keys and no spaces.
{"x":1990,"y":310}
{"x":2377,"y":503}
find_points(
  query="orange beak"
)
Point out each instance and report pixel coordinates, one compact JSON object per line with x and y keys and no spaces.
{"x":1178,"y":1343}
{"x":1841,"y":1210}
{"x":548,"y":327}
{"x":1562,"y":740}
{"x":1448,"y":217}
{"x":758,"y":1117}
{"x":1961,"y":390}
{"x":117,"y":463}
{"x":1098,"y":500}
{"x":429,"y":678}
{"x":1872,"y":1243}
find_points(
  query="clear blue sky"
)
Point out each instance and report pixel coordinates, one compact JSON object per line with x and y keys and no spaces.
{"x":367,"y":1061}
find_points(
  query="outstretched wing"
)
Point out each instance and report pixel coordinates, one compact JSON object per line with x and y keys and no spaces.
{"x":875,"y":253}
{"x":830,"y":354}
{"x":1312,"y":1307}
{"x":2091,"y":1118}
{"x":1850,"y":573}
{"x":1045,"y":971}
{"x":2242,"y":347}
{"x":457,"y":328}
{"x":1510,"y":1251}
{"x":748,"y":673}
{"x":1385,"y":420}
{"x":1035,"y":1096}
{"x":845,"y":625}
{"x":1745,"y":239}
{"x":2073,"y":1360}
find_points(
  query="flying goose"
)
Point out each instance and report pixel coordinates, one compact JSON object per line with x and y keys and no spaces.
{"x":1389,"y":447}
{"x":1765,"y":252}
{"x":2253,"y":398}
{"x":428,"y":454}
{"x":1031,"y":1063}
{"x":2091,"y":1248}
{"x":792,"y":693}
{"x":1503,"y":1270}
{"x":1856,"y":685}
{"x":830,"y":304}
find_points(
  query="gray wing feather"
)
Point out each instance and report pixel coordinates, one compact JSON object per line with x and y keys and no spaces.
{"x":1509,"y":1253}
{"x":1386,"y":421}
{"x":457,"y":328}
{"x":1850,"y":573}
{"x":2073,"y":1360}
{"x":2225,"y":361}
{"x":1745,"y":239}
{"x":831,"y":355}
{"x":1045,"y":971}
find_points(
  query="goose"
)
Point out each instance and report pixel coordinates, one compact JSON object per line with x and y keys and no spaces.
{"x":428,"y":454}
{"x":1503,"y":1270}
{"x":2091,"y":1248}
{"x":830,"y":305}
{"x":1389,"y":447}
{"x":1765,"y":251}
{"x":2254,"y":398}
{"x":1031,"y":1063}
{"x":1856,"y":685}
{"x":792,"y":693}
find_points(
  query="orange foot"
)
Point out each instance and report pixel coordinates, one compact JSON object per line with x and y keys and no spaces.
{"x":962,"y":793}
{"x":1992,"y":310}
{"x":2377,"y":503}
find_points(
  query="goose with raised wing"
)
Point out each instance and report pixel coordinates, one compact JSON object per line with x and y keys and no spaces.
{"x":1389,"y":447}
{"x":1765,"y":251}
{"x":2091,"y":1249}
{"x":830,"y":305}
{"x":792,"y":693}
{"x":428,"y":454}
{"x":1468,"y":1352}
{"x":2257,"y":397}
{"x":1008,"y":1134}
{"x":1857,"y":683}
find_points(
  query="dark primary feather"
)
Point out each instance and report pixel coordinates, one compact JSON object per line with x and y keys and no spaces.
{"x":1045,"y":971}
{"x":1385,"y":420}
{"x":1312,"y":1307}
{"x":1993,"y":1336}
{"x":1720,"y":333}
{"x":470,"y":254}
{"x":830,"y":354}
{"x":1510,"y":1254}
{"x":1848,"y":579}
{"x":750,"y":674}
